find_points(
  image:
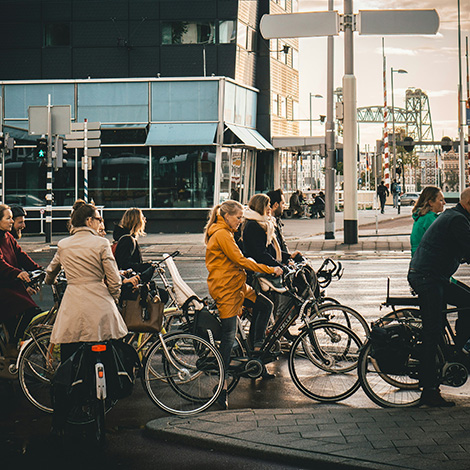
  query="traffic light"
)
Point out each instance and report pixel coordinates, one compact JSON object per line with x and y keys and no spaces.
{"x":446,"y":144}
{"x":409,"y":144}
{"x":2,"y":142}
{"x":41,"y":148}
{"x":398,"y":170}
{"x":322,"y":118}
{"x":59,"y":152}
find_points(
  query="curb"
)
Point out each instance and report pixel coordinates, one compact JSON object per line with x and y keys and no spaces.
{"x":172,"y":428}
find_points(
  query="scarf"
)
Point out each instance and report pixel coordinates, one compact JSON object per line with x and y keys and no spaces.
{"x":267,"y":223}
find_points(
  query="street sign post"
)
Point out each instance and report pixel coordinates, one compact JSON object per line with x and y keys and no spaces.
{"x":60,"y":119}
{"x":296,"y":25}
{"x":85,"y":135}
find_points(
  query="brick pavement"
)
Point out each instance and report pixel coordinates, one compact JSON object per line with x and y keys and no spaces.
{"x":332,"y":436}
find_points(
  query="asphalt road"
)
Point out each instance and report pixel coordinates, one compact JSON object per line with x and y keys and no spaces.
{"x":24,"y":430}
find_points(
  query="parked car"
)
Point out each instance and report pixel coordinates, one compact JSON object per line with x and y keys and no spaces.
{"x":409,"y":199}
{"x":24,"y":200}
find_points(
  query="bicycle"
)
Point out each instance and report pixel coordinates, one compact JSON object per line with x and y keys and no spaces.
{"x":322,"y":358}
{"x":388,"y":366}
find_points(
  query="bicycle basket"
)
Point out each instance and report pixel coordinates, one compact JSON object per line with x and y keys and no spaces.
{"x":392,"y":347}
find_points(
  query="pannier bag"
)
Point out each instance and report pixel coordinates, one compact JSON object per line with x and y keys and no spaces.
{"x":391,"y":347}
{"x":206,"y":325}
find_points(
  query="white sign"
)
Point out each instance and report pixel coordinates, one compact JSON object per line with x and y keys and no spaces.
{"x":398,"y":22}
{"x":79,"y":144}
{"x":78,"y":126}
{"x":300,"y":25}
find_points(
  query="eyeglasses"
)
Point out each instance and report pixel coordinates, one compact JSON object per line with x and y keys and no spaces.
{"x":100,"y":219}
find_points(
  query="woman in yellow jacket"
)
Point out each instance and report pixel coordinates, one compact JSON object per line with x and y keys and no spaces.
{"x":227,"y":278}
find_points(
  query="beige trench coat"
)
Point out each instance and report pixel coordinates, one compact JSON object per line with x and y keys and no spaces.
{"x":88,"y":310}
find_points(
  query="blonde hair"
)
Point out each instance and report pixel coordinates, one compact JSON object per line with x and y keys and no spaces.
{"x":228,"y":207}
{"x":133,"y":220}
{"x":428,"y":194}
{"x":259,"y":203}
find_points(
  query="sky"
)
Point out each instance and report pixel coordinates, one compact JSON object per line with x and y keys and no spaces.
{"x":431,"y":62}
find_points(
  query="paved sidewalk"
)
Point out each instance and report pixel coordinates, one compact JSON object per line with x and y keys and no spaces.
{"x":332,"y":436}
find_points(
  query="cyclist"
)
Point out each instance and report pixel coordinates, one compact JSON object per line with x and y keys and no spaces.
{"x":88,"y":311}
{"x":18,"y":308}
{"x":276,"y":198}
{"x":19,"y":224}
{"x":126,"y":247}
{"x":227,"y":278}
{"x":443,"y":247}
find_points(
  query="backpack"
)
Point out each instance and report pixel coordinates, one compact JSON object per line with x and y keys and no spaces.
{"x":116,"y":243}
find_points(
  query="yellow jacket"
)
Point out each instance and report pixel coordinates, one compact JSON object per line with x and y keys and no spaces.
{"x":227,"y":277}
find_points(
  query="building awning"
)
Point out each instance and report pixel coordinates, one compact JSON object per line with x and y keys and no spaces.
{"x":250,"y":137}
{"x":197,"y":133}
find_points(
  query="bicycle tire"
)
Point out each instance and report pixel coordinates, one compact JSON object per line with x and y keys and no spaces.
{"x":328,"y":372}
{"x":183,"y":375}
{"x":37,"y":365}
{"x":345,"y":316}
{"x":385,"y":390}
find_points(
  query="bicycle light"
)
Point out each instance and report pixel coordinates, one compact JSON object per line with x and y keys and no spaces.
{"x":100,"y":381}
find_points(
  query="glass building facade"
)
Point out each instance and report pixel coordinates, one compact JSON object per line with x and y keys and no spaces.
{"x":165,"y":143}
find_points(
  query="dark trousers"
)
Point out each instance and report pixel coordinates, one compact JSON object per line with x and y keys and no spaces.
{"x":434,"y":295}
{"x":382,"y":202}
{"x":60,"y":401}
{"x":17,"y":325}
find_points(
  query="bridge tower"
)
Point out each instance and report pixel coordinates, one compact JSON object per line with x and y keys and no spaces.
{"x":418,"y":115}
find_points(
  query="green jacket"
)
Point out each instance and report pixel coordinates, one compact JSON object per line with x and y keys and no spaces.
{"x":421,"y":224}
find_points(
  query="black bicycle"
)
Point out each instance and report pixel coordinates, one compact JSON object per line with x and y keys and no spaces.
{"x":390,"y":360}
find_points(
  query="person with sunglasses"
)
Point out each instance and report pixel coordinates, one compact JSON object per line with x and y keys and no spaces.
{"x":88,"y":311}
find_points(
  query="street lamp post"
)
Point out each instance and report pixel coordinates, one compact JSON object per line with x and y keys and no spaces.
{"x":394,"y":169}
{"x":311,"y":95}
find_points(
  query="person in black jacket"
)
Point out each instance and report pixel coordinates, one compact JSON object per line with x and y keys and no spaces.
{"x":382,"y":192}
{"x":443,"y":247}
{"x":127,"y":251}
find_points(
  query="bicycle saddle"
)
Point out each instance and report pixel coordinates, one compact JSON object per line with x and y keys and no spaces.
{"x":274,"y":284}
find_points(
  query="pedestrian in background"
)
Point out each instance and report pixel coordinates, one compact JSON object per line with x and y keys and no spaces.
{"x":227,"y":277}
{"x":382,"y":192}
{"x":395,"y":190}
{"x":430,"y":203}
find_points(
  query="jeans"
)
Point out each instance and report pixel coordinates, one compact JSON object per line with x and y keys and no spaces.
{"x":259,"y":319}
{"x":395,"y":200}
{"x":227,"y":339}
{"x":434,"y":295}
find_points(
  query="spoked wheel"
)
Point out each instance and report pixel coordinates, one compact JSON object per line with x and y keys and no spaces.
{"x":388,"y":390}
{"x":37,"y":366}
{"x":183,"y":374}
{"x":345,"y":316}
{"x":323,"y":361}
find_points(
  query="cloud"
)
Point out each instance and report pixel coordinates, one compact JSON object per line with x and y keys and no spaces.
{"x":441,"y":93}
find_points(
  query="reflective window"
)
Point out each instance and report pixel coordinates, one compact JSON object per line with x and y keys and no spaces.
{"x":241,"y":35}
{"x":185,"y":32}
{"x":227,"y":31}
{"x":57,"y":34}
{"x":119,"y":178}
{"x":183,"y":176}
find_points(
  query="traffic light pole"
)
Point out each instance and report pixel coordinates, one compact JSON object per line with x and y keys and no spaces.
{"x":49,"y":173}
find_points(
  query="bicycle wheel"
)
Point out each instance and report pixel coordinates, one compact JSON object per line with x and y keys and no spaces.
{"x":183,"y":374}
{"x":387,"y":390}
{"x":37,"y":365}
{"x":323,"y":361}
{"x":343,"y":315}
{"x":408,"y":315}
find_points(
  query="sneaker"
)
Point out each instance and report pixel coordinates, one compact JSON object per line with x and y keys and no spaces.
{"x":433,"y":398}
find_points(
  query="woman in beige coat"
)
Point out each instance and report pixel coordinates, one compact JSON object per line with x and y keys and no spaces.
{"x":88,"y":311}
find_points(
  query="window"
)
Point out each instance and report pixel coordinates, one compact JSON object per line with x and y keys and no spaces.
{"x":57,"y":34}
{"x":241,"y":35}
{"x":282,"y":106}
{"x":275,"y":104}
{"x":227,"y":32}
{"x":185,"y":32}
{"x":295,"y":110}
{"x":251,"y":41}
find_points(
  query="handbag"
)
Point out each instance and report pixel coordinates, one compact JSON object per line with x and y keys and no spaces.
{"x":143,"y":315}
